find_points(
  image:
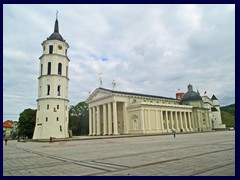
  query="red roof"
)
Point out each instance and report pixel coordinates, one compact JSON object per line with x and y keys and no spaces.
{"x":7,"y":125}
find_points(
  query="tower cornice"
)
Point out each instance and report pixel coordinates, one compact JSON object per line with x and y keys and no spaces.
{"x":50,"y":55}
{"x":61,"y":76}
{"x":54,"y":98}
{"x":54,"y":40}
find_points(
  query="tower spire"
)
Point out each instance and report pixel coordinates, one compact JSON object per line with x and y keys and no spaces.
{"x":55,"y":35}
{"x":56,"y":29}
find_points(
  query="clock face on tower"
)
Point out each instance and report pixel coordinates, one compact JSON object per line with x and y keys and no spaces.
{"x":59,"y":47}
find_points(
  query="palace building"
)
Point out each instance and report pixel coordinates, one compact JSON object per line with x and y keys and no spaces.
{"x":116,"y":112}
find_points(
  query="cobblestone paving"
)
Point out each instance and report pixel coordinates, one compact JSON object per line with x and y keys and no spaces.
{"x":198,"y":154}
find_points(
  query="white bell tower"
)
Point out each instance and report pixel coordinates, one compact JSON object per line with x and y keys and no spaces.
{"x":52,"y":102}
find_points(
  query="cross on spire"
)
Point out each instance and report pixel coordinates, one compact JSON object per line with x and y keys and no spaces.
{"x":57,"y":14}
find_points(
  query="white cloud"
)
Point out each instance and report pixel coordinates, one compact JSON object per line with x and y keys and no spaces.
{"x":154,"y":49}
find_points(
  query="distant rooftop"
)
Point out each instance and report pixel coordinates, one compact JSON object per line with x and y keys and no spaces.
{"x":137,"y":94}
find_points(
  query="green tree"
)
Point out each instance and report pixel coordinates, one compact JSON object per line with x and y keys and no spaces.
{"x":78,"y":119}
{"x":26,"y":123}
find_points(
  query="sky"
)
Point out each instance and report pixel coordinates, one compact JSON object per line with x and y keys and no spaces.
{"x":151,"y":49}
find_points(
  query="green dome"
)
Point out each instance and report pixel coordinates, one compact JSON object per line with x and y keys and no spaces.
{"x":191,"y":95}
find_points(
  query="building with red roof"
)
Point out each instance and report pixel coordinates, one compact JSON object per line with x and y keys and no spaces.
{"x":7,"y":129}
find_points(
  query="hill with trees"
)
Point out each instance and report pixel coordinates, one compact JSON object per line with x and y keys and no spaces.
{"x":228,"y":115}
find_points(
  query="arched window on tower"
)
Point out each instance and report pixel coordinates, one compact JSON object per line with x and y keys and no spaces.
{"x":49,"y":68}
{"x":60,"y":128}
{"x":58,"y":90}
{"x":48,"y":89}
{"x":60,"y":68}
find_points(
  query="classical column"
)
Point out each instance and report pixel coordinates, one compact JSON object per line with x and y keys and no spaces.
{"x":115,"y":122}
{"x":157,"y":119}
{"x":171,"y":120}
{"x":185,"y":121}
{"x":193,"y":122}
{"x":176,"y":121}
{"x":98,"y":121}
{"x":104,"y":120}
{"x":109,"y":119}
{"x":94,"y":121}
{"x":149,"y":121}
{"x":167,"y":122}
{"x":207,"y":120}
{"x":189,"y":120}
{"x":200,"y":121}
{"x":161,"y":120}
{"x":143,"y":120}
{"x":125,"y":119}
{"x":90,"y":121}
{"x":181,"y":120}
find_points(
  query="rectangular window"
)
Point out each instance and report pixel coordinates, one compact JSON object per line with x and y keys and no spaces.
{"x":48,"y":89}
{"x":48,"y":106}
{"x":46,"y":119}
{"x":58,"y":90}
{"x":60,"y":128}
{"x":41,"y":69}
{"x":50,"y":49}
{"x":57,"y":118}
{"x":57,"y":106}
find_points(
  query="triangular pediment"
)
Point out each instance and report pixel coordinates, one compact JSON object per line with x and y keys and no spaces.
{"x":98,"y":94}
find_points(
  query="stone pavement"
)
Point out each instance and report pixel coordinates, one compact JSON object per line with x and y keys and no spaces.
{"x":198,"y":154}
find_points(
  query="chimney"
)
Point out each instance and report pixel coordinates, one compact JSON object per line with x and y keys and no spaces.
{"x":179,"y":95}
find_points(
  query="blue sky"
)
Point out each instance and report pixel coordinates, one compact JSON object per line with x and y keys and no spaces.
{"x":151,"y":49}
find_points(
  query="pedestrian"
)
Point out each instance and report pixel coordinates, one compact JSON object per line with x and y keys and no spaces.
{"x":50,"y":140}
{"x":174,"y":133}
{"x":6,"y":140}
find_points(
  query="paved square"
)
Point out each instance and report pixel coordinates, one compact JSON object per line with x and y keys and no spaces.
{"x":197,"y":154}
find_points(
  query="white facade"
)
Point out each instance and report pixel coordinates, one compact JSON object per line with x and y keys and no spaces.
{"x":52,"y":102}
{"x":215,"y":112}
{"x":114,"y":112}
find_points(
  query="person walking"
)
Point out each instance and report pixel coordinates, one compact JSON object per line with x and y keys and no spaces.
{"x":6,"y":140}
{"x":174,"y":133}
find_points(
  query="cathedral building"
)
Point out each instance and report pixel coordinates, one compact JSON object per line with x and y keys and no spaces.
{"x":116,"y":112}
{"x":52,"y":102}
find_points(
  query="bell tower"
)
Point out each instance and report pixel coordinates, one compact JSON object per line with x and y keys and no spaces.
{"x":52,"y":102}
